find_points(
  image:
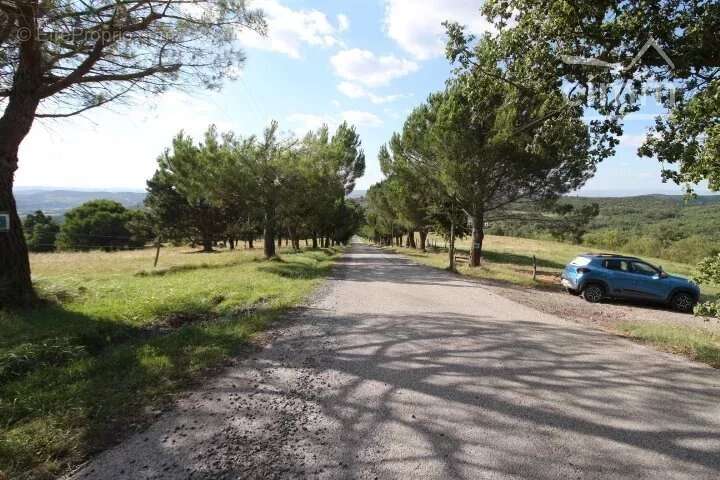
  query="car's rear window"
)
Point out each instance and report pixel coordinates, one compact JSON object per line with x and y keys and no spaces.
{"x":580,"y":261}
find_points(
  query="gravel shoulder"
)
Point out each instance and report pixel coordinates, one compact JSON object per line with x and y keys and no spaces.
{"x":606,"y":315}
{"x":403,"y":371}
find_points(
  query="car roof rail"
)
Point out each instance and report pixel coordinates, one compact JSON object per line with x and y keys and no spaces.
{"x":614,"y":255}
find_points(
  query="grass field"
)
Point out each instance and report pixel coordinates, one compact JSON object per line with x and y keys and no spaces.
{"x":695,"y":343}
{"x":117,"y":338}
{"x":510,"y":259}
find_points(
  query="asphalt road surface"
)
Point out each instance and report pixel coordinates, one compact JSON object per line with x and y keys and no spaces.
{"x":402,"y":371}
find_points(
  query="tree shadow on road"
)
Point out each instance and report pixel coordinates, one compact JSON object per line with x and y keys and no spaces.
{"x":509,"y":380}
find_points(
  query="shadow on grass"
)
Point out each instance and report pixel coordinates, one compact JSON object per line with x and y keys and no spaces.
{"x":189,"y":268}
{"x":295,"y":270}
{"x":83,"y":388}
{"x":497,"y":257}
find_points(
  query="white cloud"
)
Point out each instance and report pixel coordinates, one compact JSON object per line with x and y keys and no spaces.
{"x":362,"y":119}
{"x":343,"y":22}
{"x":419,"y":31}
{"x":301,"y":123}
{"x":363,"y":66}
{"x":304,"y":122}
{"x":632,"y":141}
{"x":114,"y":148}
{"x":354,"y":90}
{"x":289,"y":30}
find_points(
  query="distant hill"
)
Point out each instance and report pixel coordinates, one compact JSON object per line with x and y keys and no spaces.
{"x":646,"y":213}
{"x":58,"y":202}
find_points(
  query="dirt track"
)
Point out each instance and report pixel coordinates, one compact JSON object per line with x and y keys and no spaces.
{"x":403,"y":371}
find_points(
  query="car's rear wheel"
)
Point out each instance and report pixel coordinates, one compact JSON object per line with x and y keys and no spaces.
{"x":683,"y":302}
{"x":593,"y":293}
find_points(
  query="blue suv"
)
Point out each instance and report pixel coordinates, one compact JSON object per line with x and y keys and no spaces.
{"x":599,"y":276}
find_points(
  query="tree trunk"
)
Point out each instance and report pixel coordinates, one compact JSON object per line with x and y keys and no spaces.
{"x":207,"y":244}
{"x":411,"y":237}
{"x":157,"y":252}
{"x":314,"y":241}
{"x":279,"y":240}
{"x":231,"y":242}
{"x":478,"y":235}
{"x":15,"y":281}
{"x":451,"y":250}
{"x":269,"y":237}
{"x":423,"y":240}
{"x":250,"y":244}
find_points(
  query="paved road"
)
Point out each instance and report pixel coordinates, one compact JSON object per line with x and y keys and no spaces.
{"x":401,"y":371}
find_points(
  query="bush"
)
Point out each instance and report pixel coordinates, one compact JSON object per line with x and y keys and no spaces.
{"x":97,"y":224}
{"x":41,"y":232}
{"x":610,"y":239}
{"x":646,"y":246}
{"x":709,"y":273}
{"x":691,"y":249}
{"x":708,"y":309}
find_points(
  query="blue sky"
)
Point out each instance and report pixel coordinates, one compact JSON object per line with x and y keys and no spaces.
{"x":324,"y":61}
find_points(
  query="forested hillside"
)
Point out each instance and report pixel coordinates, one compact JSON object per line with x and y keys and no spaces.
{"x":649,"y":214}
{"x":664,"y":226}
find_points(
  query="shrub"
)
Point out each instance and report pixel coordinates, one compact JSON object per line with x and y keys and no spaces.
{"x":97,"y":224}
{"x":708,"y":309}
{"x":709,"y":273}
{"x":647,"y":246}
{"x":691,"y":249}
{"x":41,"y":232}
{"x":610,"y":238}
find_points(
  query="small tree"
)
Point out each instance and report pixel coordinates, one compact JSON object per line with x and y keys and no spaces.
{"x":570,"y":223}
{"x":41,"y":232}
{"x":179,"y":196}
{"x":64,"y":57}
{"x":98,"y":224}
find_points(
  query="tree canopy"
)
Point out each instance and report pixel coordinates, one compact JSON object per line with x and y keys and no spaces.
{"x":230,"y":187}
{"x":484,"y":146}
{"x":98,"y":224}
{"x":610,"y":54}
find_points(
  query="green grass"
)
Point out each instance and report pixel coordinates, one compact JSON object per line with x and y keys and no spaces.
{"x":697,"y":344}
{"x":509,"y":259}
{"x":116,"y":340}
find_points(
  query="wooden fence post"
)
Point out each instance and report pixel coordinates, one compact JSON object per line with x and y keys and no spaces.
{"x":534,"y":268}
{"x":157,"y":252}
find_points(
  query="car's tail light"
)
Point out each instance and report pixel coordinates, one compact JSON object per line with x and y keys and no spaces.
{"x":583,"y":270}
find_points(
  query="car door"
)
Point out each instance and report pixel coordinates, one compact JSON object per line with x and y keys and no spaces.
{"x":647,"y":281}
{"x":620,"y":279}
